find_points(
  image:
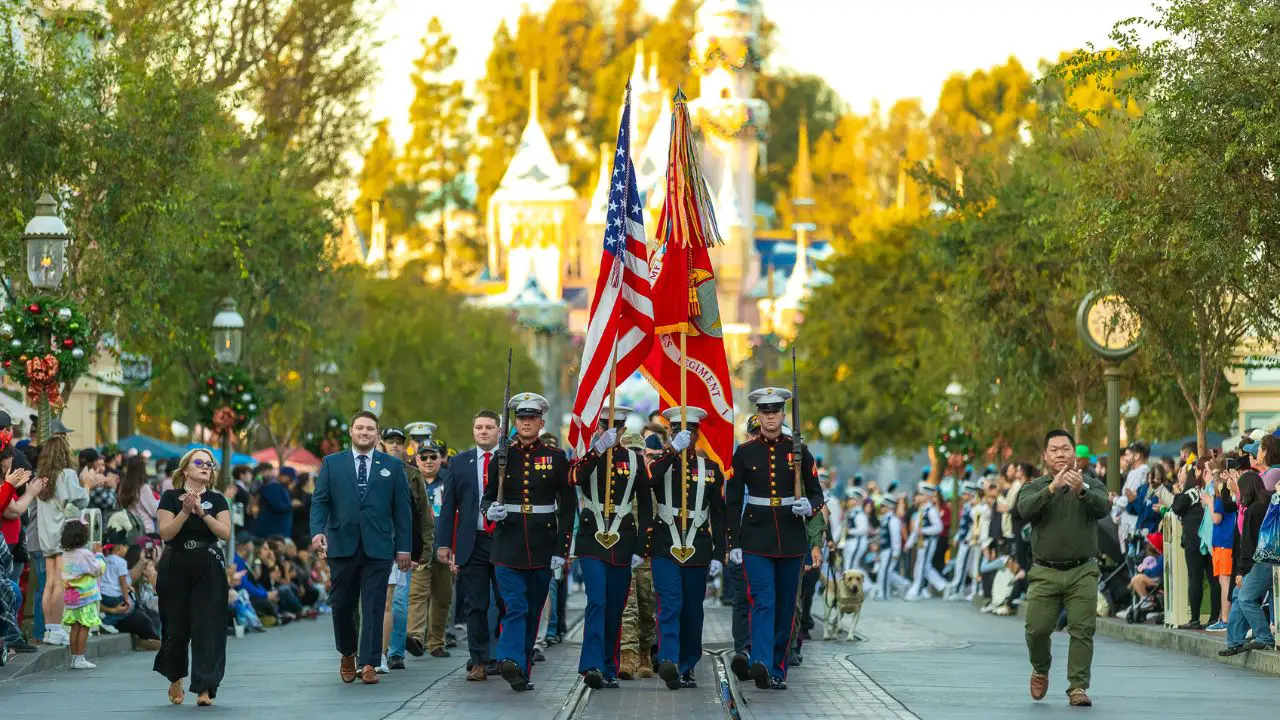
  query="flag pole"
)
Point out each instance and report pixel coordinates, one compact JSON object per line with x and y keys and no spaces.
{"x":684,"y":425}
{"x":608,"y":454}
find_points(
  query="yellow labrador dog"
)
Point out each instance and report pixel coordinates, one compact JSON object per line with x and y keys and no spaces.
{"x":844,"y":601}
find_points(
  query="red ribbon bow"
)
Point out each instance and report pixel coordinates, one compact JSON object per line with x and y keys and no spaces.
{"x":42,"y":380}
{"x":224,"y":418}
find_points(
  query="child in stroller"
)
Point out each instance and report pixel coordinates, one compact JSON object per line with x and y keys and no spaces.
{"x":1147,"y":580}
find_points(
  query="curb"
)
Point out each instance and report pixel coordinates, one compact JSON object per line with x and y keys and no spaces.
{"x":576,"y":700}
{"x":1191,"y":643}
{"x":52,"y":657}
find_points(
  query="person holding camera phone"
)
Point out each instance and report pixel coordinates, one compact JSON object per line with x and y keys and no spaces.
{"x":1190,"y":508}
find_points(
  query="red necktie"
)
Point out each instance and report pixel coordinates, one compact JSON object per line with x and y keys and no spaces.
{"x":488,"y":525}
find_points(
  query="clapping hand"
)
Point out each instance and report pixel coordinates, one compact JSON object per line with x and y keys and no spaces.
{"x":1075,"y":480}
{"x":18,"y":477}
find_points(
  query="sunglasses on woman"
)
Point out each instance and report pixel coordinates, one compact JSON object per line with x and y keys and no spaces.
{"x":205,"y":464}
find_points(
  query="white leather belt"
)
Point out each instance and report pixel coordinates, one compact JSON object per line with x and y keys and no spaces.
{"x":598,"y":507}
{"x":770,"y":501}
{"x":669,"y":515}
{"x":531,"y":509}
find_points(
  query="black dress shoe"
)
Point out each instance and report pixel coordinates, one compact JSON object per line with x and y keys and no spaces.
{"x":395,"y":662}
{"x":415,"y":647}
{"x":594,"y":679}
{"x":779,"y":684}
{"x":687,"y":681}
{"x":1193,"y":625}
{"x":1234,"y":650}
{"x":670,"y":675}
{"x":741,"y":667}
{"x":439,"y":652}
{"x":514,"y":675}
{"x":760,"y":674}
{"x":611,"y":683}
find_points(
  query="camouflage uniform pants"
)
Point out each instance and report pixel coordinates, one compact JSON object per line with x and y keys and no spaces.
{"x":638,"y":629}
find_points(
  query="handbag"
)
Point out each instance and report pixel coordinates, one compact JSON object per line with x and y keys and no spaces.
{"x":1269,"y":536}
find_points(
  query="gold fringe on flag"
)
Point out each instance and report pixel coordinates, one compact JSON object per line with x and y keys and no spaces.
{"x":688,"y":215}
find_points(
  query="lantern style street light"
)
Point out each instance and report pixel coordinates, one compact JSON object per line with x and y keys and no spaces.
{"x":46,"y":236}
{"x":373,"y":391}
{"x":228,"y":333}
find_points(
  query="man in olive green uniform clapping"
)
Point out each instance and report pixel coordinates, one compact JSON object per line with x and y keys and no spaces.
{"x":1063,"y":509}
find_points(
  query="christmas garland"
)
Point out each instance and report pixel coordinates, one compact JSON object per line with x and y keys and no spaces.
{"x":329,"y":438}
{"x":955,"y":440}
{"x":227,"y":401}
{"x":44,"y":342}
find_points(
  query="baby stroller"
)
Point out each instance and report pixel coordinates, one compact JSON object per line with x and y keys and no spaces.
{"x":1141,"y":609}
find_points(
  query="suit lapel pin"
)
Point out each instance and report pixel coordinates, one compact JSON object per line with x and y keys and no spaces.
{"x":386,"y":472}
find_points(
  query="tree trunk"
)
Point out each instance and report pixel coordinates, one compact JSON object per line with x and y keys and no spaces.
{"x":1202,"y":439}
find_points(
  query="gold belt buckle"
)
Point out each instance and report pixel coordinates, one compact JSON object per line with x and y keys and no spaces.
{"x":527,"y":509}
{"x":775,"y":502}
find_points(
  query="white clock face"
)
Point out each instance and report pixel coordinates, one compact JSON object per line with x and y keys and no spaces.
{"x":1113,"y":324}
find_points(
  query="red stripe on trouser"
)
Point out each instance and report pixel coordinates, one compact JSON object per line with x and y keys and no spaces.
{"x":617,"y":644}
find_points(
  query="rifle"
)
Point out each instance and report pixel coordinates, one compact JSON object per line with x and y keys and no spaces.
{"x":797,"y":439}
{"x":504,"y":429}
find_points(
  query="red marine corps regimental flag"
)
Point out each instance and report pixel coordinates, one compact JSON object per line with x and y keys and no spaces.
{"x":686,"y":314}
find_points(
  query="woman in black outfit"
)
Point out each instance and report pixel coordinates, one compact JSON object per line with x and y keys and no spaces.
{"x":1252,"y":580}
{"x":192,"y":580}
{"x":1189,"y":509}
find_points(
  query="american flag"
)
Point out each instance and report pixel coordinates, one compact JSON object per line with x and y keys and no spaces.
{"x":621,"y":327}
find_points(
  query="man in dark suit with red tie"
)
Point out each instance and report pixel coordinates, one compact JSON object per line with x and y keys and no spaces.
{"x":464,"y":539}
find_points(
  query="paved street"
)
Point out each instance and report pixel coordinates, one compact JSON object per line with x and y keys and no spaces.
{"x":926,"y":660}
{"x":947,"y":661}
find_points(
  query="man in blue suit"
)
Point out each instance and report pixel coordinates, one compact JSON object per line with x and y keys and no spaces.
{"x":464,"y":540}
{"x":363,"y":515}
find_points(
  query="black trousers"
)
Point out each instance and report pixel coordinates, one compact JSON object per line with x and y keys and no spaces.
{"x":808,"y":587}
{"x":476,"y":580}
{"x":359,"y":582}
{"x":140,"y":621}
{"x":741,"y":610}
{"x":192,"y":586}
{"x":1199,"y":569}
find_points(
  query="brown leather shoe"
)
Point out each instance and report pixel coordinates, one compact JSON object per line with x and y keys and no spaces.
{"x":368,"y":675}
{"x":1079,"y":698}
{"x":477,"y":672}
{"x":1039,"y":686}
{"x":347,"y":669}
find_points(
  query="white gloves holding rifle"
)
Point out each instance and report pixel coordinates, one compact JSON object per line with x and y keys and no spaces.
{"x":607,"y":439}
{"x":802,"y":507}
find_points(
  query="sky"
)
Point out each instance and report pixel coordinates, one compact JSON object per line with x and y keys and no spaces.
{"x":867,"y":50}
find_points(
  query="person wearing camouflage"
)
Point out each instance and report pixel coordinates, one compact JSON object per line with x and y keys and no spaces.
{"x":638,"y":619}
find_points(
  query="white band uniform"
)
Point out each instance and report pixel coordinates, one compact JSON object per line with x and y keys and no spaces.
{"x":697,"y":514}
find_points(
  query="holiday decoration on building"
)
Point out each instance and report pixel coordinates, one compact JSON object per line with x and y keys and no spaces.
{"x":227,"y":401}
{"x":44,"y":343}
{"x":330,"y":437}
{"x":956,"y":441}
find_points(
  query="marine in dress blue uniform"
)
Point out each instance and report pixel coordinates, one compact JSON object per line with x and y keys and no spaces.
{"x":688,"y":545}
{"x":608,"y":544}
{"x":531,"y":537}
{"x":768,"y":535}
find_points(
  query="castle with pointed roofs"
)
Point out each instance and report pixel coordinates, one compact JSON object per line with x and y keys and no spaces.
{"x":537,"y":231}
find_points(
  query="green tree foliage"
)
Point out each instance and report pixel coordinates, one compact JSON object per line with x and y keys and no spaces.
{"x":879,"y":363}
{"x":440,"y":358}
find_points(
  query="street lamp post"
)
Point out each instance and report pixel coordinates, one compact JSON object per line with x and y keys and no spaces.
{"x":47,"y":238}
{"x":955,"y":399}
{"x":372,"y":393}
{"x":827,"y":428}
{"x":228,"y":344}
{"x":1110,"y":329}
{"x":546,"y":319}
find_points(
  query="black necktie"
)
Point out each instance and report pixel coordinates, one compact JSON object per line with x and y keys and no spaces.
{"x":362,"y":474}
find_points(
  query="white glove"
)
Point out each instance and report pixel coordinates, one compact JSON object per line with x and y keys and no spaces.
{"x":681,"y":441}
{"x":715,"y":568}
{"x":735,"y":556}
{"x":802,"y":507}
{"x":636,"y":561}
{"x":557,"y":563}
{"x":496,"y":513}
{"x":607,"y":439}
